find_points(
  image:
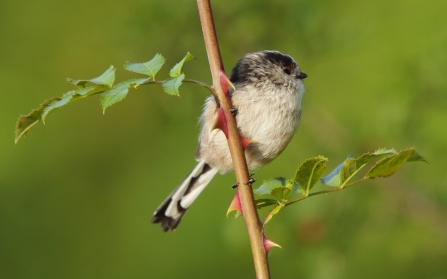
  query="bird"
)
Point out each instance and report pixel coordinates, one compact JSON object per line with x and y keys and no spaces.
{"x":267,"y":101}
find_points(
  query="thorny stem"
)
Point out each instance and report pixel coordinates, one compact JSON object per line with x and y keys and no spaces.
{"x":254,"y":226}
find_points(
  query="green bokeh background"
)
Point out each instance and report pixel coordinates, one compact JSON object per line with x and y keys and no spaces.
{"x":77,"y":195}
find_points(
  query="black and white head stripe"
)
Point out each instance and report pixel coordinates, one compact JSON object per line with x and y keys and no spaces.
{"x":261,"y":67}
{"x":278,"y":58}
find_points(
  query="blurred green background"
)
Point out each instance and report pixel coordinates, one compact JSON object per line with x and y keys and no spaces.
{"x":77,"y":195}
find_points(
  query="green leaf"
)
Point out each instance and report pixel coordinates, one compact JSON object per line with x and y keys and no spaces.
{"x":101,"y":84}
{"x":282,"y":192}
{"x":310,"y":172}
{"x":71,"y":96}
{"x":367,"y":157}
{"x":59,"y":102}
{"x":260,"y":203}
{"x":271,"y":213}
{"x":149,"y":68}
{"x":348,"y":170}
{"x":270,"y":184}
{"x":106,"y":78}
{"x":119,"y":92}
{"x":87,"y":91}
{"x":176,"y":71}
{"x":333,"y":178}
{"x":392,"y":163}
{"x":278,"y":187}
{"x":171,"y":85}
{"x":26,"y":122}
{"x":416,"y":157}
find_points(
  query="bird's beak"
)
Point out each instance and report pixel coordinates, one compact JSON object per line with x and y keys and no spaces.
{"x":302,"y":75}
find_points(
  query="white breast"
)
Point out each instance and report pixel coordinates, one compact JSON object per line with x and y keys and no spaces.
{"x":269,"y":117}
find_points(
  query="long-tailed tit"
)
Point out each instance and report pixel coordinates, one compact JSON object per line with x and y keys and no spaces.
{"x":268,"y":94}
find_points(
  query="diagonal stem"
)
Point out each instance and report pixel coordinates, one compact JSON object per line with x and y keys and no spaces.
{"x":253,"y":223}
{"x":339,"y":188}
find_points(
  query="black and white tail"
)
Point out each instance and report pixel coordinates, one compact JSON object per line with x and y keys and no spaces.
{"x":171,"y":211}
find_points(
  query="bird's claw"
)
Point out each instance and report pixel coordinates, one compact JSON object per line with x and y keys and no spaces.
{"x":233,"y":110}
{"x":249,"y":182}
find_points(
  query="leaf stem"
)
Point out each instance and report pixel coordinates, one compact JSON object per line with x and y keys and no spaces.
{"x":207,"y":86}
{"x":357,"y":181}
{"x":339,"y":188}
{"x":254,"y":226}
{"x":210,"y":88}
{"x":313,"y":194}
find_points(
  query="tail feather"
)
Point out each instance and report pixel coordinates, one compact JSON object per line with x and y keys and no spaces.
{"x":171,"y":211}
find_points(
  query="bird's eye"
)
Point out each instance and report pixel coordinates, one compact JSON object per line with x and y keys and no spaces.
{"x":287,"y":70}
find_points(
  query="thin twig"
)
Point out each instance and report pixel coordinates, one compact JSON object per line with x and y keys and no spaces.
{"x":253,"y":223}
{"x":207,"y":86}
{"x":340,"y":188}
{"x":313,"y":194}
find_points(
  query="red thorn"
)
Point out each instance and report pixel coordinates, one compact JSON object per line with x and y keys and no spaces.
{"x":221,"y":122}
{"x":268,"y":244}
{"x":235,"y":205}
{"x":246,"y":142}
{"x":225,"y":83}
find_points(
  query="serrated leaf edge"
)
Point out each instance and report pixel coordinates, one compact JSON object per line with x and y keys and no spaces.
{"x":176,"y":87}
{"x":389,"y":157}
{"x":179,"y":65}
{"x":152,"y":73}
{"x":319,"y":158}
